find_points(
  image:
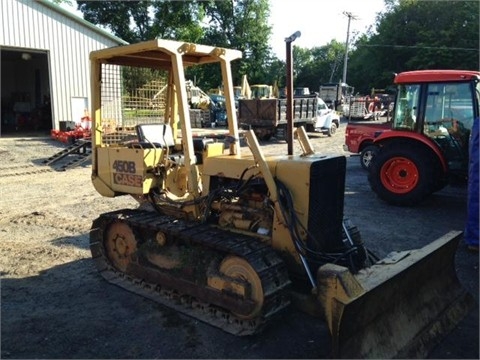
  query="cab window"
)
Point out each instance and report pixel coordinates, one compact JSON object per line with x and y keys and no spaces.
{"x":406,"y":109}
{"x":449,"y":103}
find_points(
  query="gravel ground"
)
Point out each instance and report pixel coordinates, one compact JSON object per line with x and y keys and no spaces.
{"x":55,"y":305}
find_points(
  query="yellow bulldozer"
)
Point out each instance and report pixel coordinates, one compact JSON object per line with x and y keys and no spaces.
{"x":232,"y":237}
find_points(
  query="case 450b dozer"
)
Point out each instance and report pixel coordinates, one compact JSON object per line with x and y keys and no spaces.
{"x":232,"y":237}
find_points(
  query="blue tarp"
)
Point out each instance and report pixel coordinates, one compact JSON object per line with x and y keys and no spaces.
{"x":471,"y":229}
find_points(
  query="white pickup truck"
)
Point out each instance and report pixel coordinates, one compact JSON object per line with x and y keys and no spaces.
{"x":327,"y":120}
{"x":267,"y":117}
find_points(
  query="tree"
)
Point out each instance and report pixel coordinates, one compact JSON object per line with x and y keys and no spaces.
{"x":238,"y":24}
{"x":318,"y":65}
{"x":409,"y":34}
{"x":242,"y":25}
{"x":413,"y":35}
{"x":135,"y":21}
{"x":117,"y":17}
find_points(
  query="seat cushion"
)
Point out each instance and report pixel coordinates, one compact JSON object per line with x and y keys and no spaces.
{"x":160,"y":135}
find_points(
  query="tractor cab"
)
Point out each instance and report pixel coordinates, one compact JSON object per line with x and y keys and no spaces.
{"x":441,"y":111}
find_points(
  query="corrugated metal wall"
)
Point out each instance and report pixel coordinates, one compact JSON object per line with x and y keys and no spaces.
{"x":32,"y":25}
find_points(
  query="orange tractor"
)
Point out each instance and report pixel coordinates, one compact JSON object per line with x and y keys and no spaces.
{"x":428,"y":144}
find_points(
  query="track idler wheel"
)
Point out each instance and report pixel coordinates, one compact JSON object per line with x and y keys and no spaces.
{"x":120,"y":244}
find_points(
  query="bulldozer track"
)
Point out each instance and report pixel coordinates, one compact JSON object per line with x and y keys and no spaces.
{"x":261,"y":257}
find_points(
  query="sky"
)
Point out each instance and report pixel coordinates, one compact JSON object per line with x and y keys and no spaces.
{"x":319,"y":21}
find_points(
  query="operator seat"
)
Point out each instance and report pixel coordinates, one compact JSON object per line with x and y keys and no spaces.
{"x":161,"y":136}
{"x":155,"y":135}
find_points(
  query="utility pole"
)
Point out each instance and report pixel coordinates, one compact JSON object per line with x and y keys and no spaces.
{"x":350,"y":17}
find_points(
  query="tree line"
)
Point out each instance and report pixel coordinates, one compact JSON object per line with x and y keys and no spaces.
{"x":407,"y":35}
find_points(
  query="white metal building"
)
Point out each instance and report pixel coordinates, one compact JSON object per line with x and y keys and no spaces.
{"x":45,"y":68}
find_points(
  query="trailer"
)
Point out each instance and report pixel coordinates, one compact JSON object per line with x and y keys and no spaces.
{"x":268,"y":117}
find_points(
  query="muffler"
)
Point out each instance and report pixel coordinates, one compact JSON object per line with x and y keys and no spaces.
{"x":401,"y":307}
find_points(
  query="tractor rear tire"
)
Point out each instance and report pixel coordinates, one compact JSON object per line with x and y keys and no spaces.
{"x":402,"y":174}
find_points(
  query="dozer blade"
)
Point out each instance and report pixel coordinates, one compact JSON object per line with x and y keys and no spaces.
{"x":400,"y":307}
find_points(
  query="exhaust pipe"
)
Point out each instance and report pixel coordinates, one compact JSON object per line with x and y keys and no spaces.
{"x":401,"y":307}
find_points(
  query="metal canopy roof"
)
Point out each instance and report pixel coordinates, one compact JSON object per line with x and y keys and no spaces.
{"x":159,"y":53}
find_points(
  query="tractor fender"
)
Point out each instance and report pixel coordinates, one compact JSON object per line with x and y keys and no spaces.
{"x":388,"y":137}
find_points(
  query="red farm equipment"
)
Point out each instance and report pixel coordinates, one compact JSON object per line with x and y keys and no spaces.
{"x":427,"y":146}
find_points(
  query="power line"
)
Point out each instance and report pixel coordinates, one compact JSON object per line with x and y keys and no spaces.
{"x":420,"y":47}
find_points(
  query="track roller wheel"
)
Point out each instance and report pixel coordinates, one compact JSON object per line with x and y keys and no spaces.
{"x":238,"y":268}
{"x":120,"y":244}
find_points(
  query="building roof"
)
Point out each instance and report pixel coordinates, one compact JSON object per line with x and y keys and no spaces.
{"x":81,"y":21}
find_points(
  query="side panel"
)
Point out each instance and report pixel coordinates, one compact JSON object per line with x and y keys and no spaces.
{"x":124,"y":170}
{"x":295,"y":174}
{"x":304,"y":109}
{"x":258,"y":112}
{"x":272,"y":112}
{"x":317,"y":189}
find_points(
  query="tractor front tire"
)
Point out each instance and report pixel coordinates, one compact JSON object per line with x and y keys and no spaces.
{"x":402,"y":174}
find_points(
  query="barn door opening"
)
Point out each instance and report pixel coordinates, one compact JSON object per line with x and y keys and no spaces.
{"x":25,"y":89}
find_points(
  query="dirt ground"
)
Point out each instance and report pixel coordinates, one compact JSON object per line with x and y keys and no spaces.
{"x":55,"y":305}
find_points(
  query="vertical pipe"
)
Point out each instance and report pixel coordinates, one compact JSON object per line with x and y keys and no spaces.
{"x":289,"y":109}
